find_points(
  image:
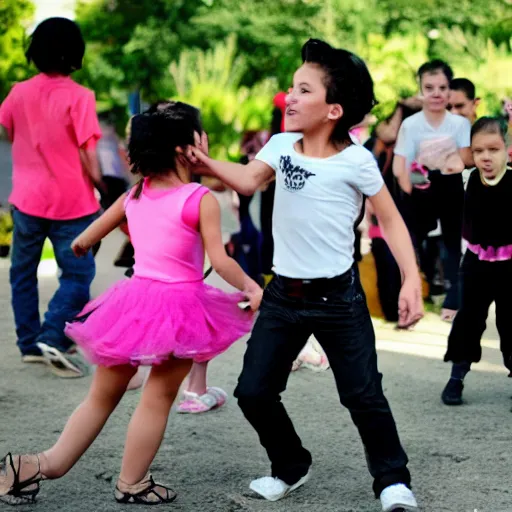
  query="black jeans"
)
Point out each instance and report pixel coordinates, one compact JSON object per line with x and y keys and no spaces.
{"x":335,"y":311}
{"x":389,"y":279}
{"x":443,"y":201}
{"x":482,"y":283}
{"x":267,"y":244}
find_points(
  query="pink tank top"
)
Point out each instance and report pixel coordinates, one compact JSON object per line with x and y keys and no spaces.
{"x":164,"y":230}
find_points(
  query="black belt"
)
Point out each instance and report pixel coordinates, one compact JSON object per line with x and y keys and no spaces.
{"x":321,"y":281}
{"x":300,"y":287}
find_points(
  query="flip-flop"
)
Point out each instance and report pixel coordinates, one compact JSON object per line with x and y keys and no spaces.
{"x":64,"y":364}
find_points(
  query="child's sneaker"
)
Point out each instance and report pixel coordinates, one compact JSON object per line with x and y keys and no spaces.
{"x":193,"y":403}
{"x":398,"y":497}
{"x":273,"y":488}
{"x":452,"y":393}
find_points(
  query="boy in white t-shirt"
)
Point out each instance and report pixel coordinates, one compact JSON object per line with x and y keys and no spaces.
{"x":434,"y":145}
{"x":321,"y":180}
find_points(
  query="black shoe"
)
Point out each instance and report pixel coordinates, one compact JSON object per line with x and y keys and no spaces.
{"x":452,"y":393}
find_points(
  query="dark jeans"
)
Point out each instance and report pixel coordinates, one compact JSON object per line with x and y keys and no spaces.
{"x":389,"y":278}
{"x":335,"y":311}
{"x":443,"y":201}
{"x":482,"y":283}
{"x":267,"y":243}
{"x":76,"y":276}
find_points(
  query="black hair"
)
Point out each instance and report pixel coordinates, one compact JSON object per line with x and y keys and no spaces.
{"x":155,"y":136}
{"x":159,"y":106}
{"x":435,"y":66}
{"x":56,"y":46}
{"x":348,"y":82}
{"x":407,"y":111}
{"x":495,"y":125}
{"x":464,"y":85}
{"x":275,"y":123}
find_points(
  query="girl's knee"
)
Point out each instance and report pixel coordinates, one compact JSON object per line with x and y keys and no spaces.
{"x":109,"y":384}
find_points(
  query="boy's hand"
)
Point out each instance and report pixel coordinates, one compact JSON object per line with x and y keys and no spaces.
{"x":197,"y":154}
{"x":410,"y":303}
{"x":201,"y":142}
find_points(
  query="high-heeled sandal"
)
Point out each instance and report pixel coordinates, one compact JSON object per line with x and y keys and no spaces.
{"x":145,"y":492}
{"x":18,"y":492}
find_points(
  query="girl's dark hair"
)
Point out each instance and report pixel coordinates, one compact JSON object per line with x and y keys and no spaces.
{"x":155,"y":136}
{"x":490,"y":125}
{"x":56,"y":46}
{"x":348,"y":83}
{"x":435,"y":66}
{"x":408,"y":111}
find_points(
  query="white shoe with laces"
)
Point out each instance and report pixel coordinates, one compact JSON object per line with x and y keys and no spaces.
{"x":397,"y":497}
{"x":273,"y":488}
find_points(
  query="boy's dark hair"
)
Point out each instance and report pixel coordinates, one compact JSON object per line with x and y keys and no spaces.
{"x":435,"y":66}
{"x":348,"y":83}
{"x":491,"y":125}
{"x":56,"y":46}
{"x":159,"y":106}
{"x":156,"y":135}
{"x":275,"y":123}
{"x":464,"y":85}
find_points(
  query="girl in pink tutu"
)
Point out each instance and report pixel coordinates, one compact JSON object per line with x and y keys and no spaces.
{"x":165,"y":316}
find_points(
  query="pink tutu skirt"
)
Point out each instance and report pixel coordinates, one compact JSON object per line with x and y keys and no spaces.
{"x":143,"y":321}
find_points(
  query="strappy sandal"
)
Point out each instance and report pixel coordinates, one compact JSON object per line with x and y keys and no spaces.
{"x":145,"y":492}
{"x":18,"y":492}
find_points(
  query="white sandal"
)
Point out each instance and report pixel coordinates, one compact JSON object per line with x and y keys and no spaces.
{"x":193,"y":403}
{"x":64,"y":364}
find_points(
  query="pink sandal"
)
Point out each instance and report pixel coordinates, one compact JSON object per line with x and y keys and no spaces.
{"x":195,"y":404}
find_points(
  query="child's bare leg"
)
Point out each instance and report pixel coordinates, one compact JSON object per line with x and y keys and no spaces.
{"x":198,"y":397}
{"x":82,"y":428}
{"x":84,"y":425}
{"x":197,"y":378}
{"x":139,"y":378}
{"x":147,"y":426}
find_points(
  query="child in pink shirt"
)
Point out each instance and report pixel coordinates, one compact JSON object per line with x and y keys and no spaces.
{"x":52,"y":124}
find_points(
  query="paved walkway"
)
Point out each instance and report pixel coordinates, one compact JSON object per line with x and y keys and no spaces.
{"x":460,"y":457}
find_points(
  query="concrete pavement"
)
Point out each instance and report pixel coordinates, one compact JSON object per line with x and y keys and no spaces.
{"x":460,"y":457}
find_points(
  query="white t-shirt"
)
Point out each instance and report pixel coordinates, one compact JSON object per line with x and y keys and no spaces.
{"x":317,"y":201}
{"x":416,"y":130}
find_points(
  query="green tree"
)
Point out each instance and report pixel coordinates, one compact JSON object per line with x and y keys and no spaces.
{"x":15,"y":16}
{"x":130,"y":45}
{"x":211,"y":80}
{"x":269,"y":33}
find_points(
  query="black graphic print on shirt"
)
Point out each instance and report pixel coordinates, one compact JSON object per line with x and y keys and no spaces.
{"x":294,"y":176}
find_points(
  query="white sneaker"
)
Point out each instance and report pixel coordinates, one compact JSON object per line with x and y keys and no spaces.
{"x":398,"y":496}
{"x":273,"y":489}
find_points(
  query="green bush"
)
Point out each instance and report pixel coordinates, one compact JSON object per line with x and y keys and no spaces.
{"x":211,"y":80}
